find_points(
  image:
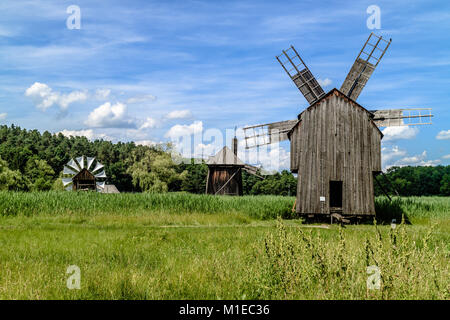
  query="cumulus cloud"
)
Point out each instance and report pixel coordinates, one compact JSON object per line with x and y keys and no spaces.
{"x":3,"y":116}
{"x":397,"y":157}
{"x":178,"y":130}
{"x":179,"y":114}
{"x":89,"y":133}
{"x":148,"y":143}
{"x":391,"y":153}
{"x":325,"y":82}
{"x":447,"y":156}
{"x":417,"y":160}
{"x":110,"y":116}
{"x":207,"y":150}
{"x":443,"y":135}
{"x":399,"y":132}
{"x":148,"y":124}
{"x":44,"y":97}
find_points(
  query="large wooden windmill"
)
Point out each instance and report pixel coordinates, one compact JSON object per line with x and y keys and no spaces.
{"x":335,"y":144}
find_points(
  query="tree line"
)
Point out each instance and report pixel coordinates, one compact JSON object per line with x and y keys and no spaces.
{"x":31,"y":161}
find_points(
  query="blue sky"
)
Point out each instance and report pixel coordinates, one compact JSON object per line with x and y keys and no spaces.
{"x":147,"y":71}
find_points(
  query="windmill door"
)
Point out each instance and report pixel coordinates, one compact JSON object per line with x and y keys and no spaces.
{"x":335,"y":195}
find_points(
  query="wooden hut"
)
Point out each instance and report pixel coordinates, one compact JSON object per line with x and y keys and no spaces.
{"x":84,"y":180}
{"x":335,"y":151}
{"x":225,"y":172}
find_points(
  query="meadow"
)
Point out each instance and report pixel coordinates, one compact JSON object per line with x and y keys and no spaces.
{"x":185,"y":246}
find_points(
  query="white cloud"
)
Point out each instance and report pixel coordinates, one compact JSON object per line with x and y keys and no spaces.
{"x":179,"y":114}
{"x":394,"y":156}
{"x":44,"y":97}
{"x":148,"y":143}
{"x":417,"y":160}
{"x":102,"y":94}
{"x":110,"y":116}
{"x":447,"y":156}
{"x":206,"y":150}
{"x":390,"y":154}
{"x":141,"y":99}
{"x":443,"y":135}
{"x":399,"y":132}
{"x":89,"y":133}
{"x":325,"y":82}
{"x":178,"y":130}
{"x":148,"y":124}
{"x":3,"y":116}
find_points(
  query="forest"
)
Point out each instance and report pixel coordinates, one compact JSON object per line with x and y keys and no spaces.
{"x":33,"y":161}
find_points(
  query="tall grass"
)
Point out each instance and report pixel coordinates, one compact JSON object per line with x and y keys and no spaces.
{"x":184,"y":246}
{"x":258,"y":207}
{"x":90,"y":203}
{"x":306,"y":265}
{"x":413,"y":208}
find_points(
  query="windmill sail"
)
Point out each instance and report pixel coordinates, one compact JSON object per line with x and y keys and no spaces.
{"x":402,"y":117}
{"x":364,"y":65}
{"x":68,"y":170}
{"x":299,"y":73}
{"x":268,"y":133}
{"x":83,"y":166}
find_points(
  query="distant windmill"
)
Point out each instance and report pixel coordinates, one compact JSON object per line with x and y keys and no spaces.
{"x":84,"y":173}
{"x":225,"y":172}
{"x":335,"y":143}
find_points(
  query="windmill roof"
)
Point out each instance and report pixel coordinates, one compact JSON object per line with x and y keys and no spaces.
{"x":328,"y":95}
{"x":110,"y":188}
{"x":225,"y":157}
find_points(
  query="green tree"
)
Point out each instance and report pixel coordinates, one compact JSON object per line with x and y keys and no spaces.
{"x":445,"y":185}
{"x":11,"y":179}
{"x":155,"y":172}
{"x":195,"y":181}
{"x":40,"y":174}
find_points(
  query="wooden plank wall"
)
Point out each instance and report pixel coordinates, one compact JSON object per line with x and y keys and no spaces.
{"x":335,"y":140}
{"x":219,"y":175}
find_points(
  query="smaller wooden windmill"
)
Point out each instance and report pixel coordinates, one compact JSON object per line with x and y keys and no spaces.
{"x":84,"y":174}
{"x":225,"y":172}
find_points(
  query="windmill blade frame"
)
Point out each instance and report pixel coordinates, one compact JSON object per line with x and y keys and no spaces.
{"x":397,"y":117}
{"x":264,"y":134}
{"x":300,"y":74}
{"x":364,"y":65}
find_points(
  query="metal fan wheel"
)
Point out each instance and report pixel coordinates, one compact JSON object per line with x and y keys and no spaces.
{"x":84,"y":173}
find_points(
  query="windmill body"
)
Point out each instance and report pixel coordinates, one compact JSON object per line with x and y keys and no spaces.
{"x":335,"y":144}
{"x":335,"y":151}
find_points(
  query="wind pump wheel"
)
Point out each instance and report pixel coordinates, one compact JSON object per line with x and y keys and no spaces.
{"x":84,"y":173}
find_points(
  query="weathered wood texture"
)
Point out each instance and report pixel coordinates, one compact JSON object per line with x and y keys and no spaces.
{"x":224,"y":180}
{"x":84,"y":180}
{"x":335,"y":140}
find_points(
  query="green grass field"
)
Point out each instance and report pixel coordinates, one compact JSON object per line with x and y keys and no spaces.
{"x":182,"y":246}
